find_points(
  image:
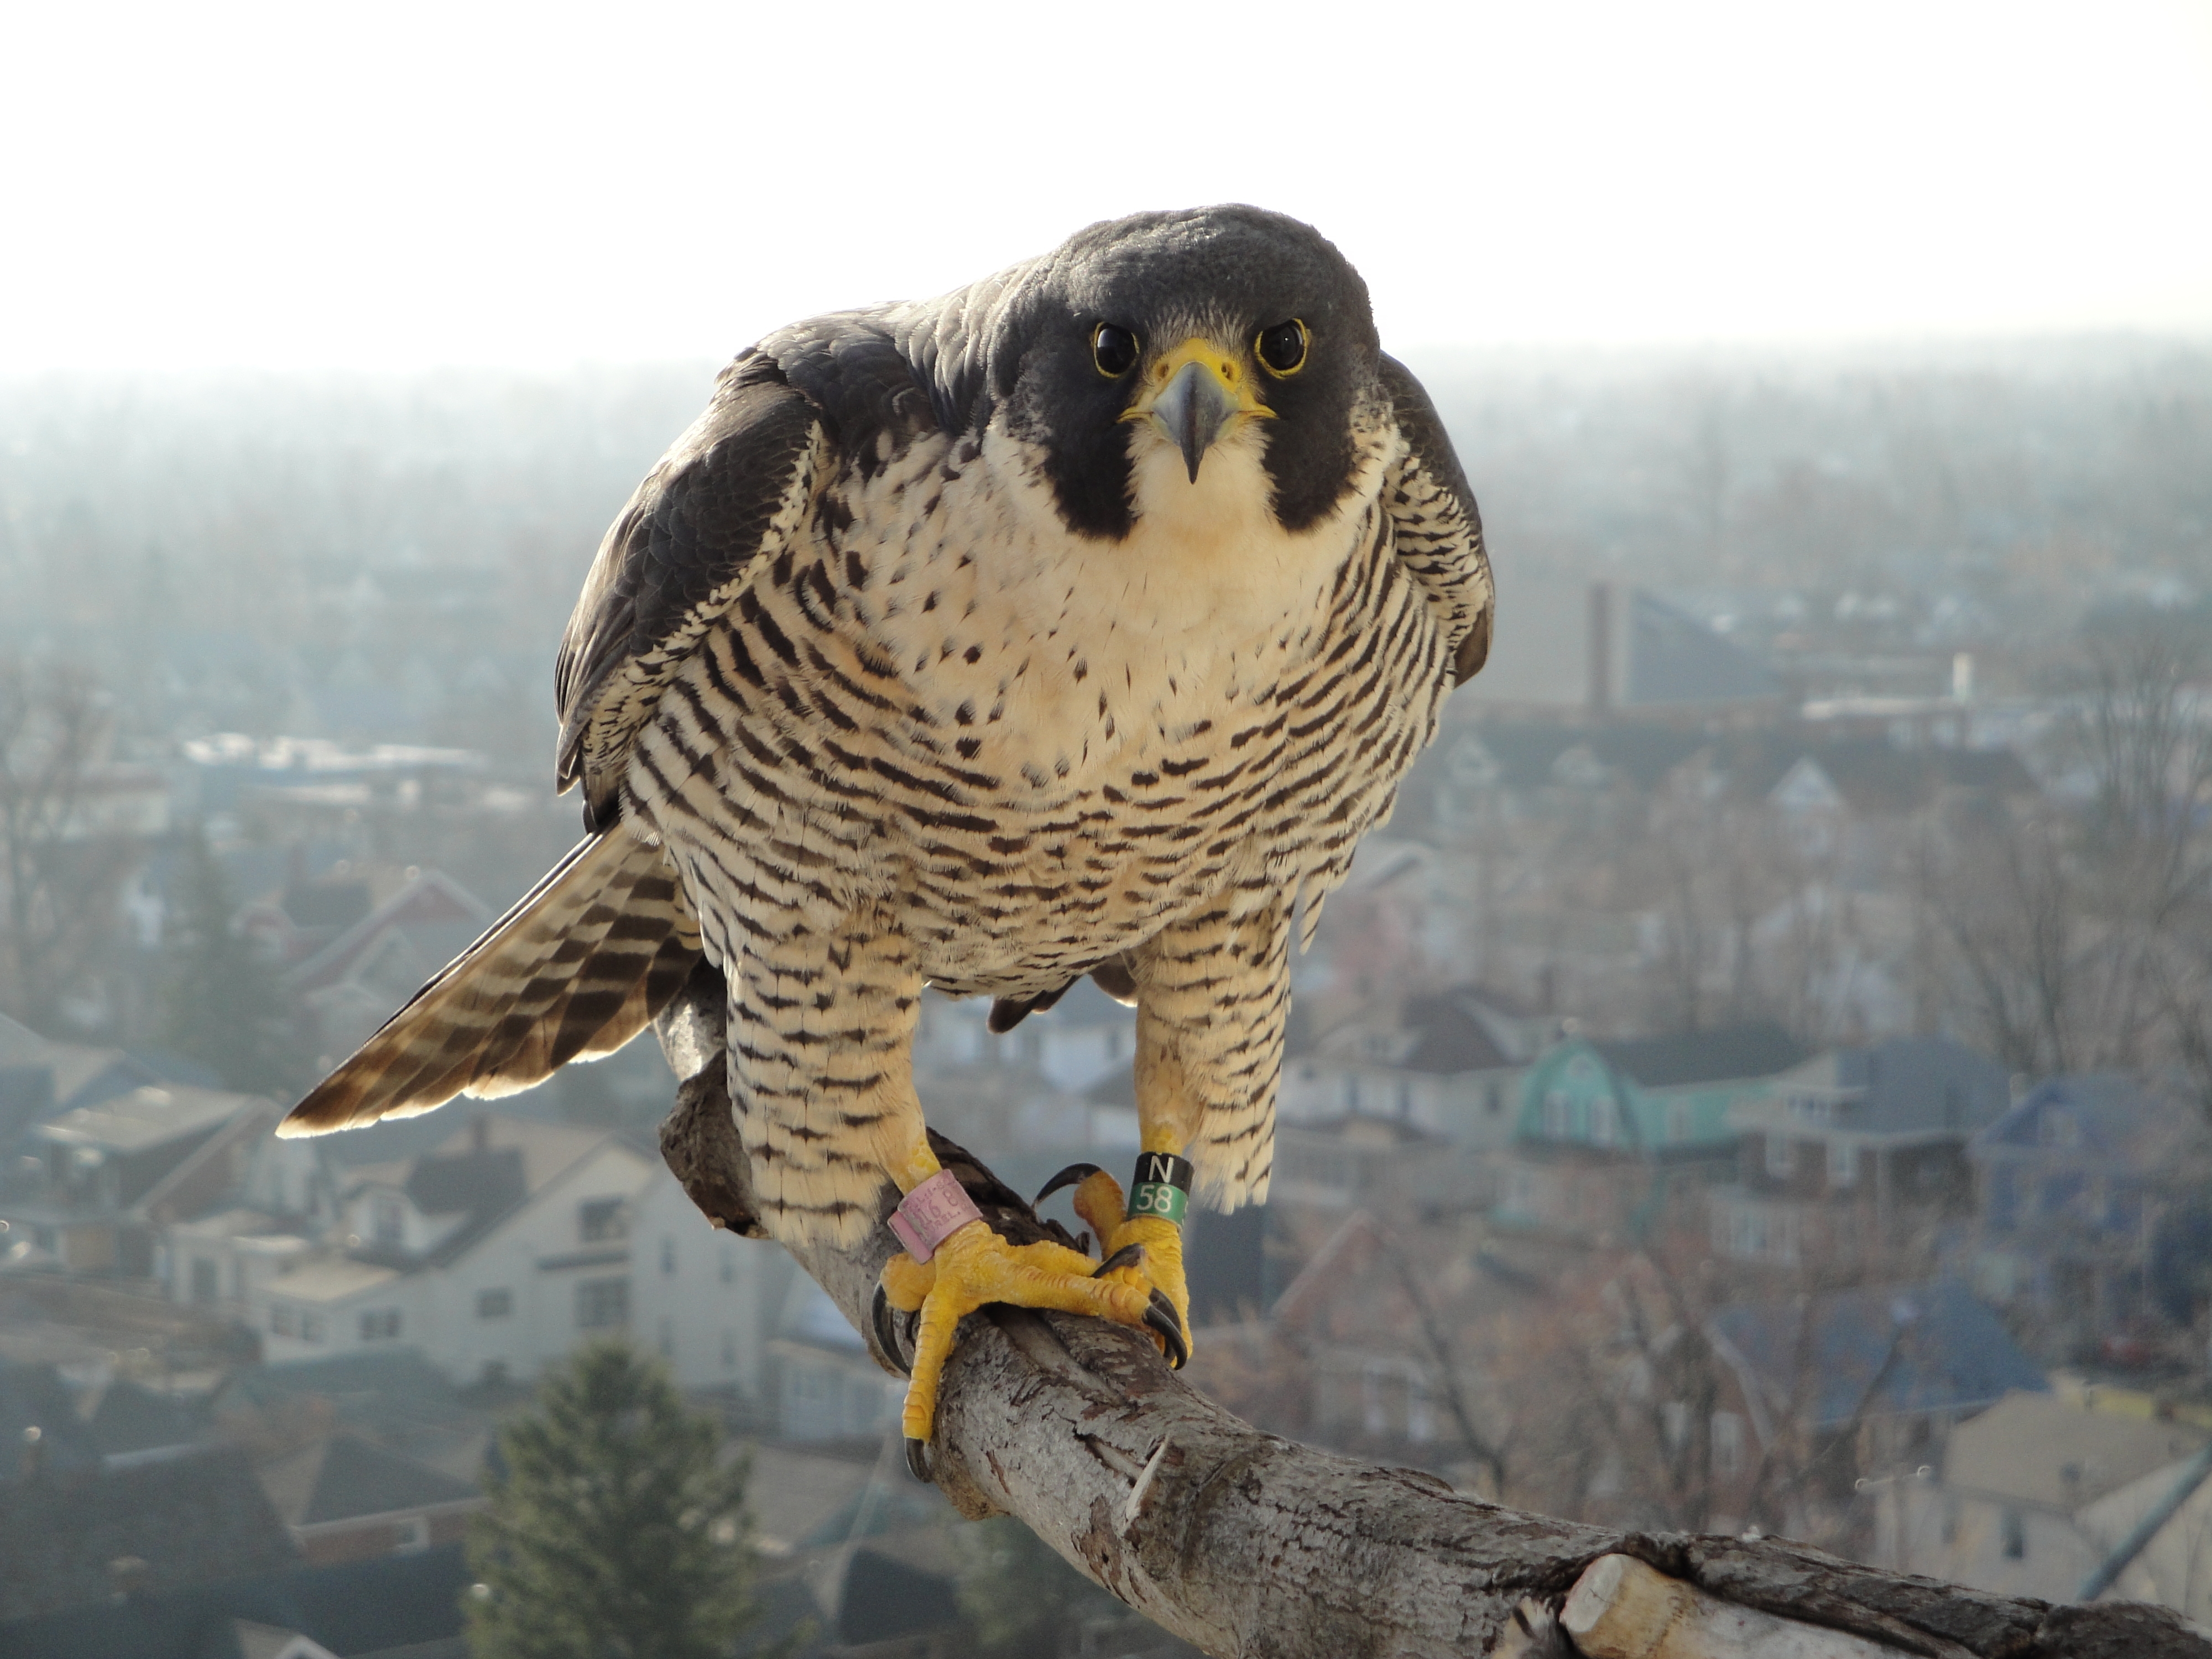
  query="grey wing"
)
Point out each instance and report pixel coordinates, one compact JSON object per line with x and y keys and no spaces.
{"x":1439,"y":533}
{"x":729,"y":495}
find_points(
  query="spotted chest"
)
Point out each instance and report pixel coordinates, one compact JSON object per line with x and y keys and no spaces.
{"x":1030,"y":751}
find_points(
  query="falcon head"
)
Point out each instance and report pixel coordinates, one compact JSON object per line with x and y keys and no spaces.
{"x":1155,"y":360}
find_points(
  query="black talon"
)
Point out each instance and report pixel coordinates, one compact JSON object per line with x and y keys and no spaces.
{"x":1129,"y":1255}
{"x":1161,"y":1317}
{"x":1069,"y":1177}
{"x":879,"y":1312}
{"x":917,"y":1461}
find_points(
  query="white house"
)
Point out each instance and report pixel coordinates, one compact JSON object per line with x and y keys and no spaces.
{"x":706,"y":1299}
{"x":492,"y":1254}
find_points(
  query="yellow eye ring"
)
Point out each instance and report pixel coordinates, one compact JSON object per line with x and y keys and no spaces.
{"x":1281,"y":348}
{"x":1114,"y":350}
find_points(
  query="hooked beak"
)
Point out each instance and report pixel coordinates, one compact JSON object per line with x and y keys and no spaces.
{"x":1194,"y":393}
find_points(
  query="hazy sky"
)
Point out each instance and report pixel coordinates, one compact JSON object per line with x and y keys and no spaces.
{"x":395,"y":186}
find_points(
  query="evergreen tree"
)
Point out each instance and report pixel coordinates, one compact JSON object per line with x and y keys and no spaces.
{"x":224,"y":1003}
{"x":615,"y":1532}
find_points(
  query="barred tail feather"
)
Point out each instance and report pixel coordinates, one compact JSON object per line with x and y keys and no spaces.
{"x":579,"y":966}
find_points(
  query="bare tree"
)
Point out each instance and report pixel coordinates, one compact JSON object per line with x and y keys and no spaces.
{"x":2082,"y":938}
{"x":60,"y":863}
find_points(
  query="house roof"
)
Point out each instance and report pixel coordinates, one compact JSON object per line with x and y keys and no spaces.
{"x":258,"y":1640}
{"x":33,"y":1397}
{"x":2038,"y":1449}
{"x":2103,"y":1121}
{"x":189,"y":1519}
{"x":1905,"y":1085}
{"x":343,"y":1477}
{"x":391,"y":1373}
{"x":1453,"y":1036}
{"x":438,"y":912}
{"x":1910,"y":1349}
{"x":1528,"y":752}
{"x":488,"y":1168}
{"x":1718,"y":1056}
{"x":386,"y":1605}
{"x":332,"y":1278}
{"x":1871,"y":774}
{"x":148,"y":1116}
{"x":132,"y":1417}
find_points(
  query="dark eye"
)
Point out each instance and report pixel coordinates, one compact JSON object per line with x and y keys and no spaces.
{"x":1282,"y":349}
{"x":1113,"y":349}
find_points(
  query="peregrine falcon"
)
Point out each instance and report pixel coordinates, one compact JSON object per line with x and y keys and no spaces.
{"x":1079,"y":621}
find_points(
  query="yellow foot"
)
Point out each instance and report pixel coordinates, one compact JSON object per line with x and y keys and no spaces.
{"x":976,"y":1266}
{"x":1138,"y":1250}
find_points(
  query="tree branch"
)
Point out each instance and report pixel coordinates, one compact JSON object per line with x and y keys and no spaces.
{"x":1246,"y":1544}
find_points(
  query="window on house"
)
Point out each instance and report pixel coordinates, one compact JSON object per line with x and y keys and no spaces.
{"x":2013,"y":1529}
{"x":1843,"y":1164}
{"x":1555,"y":1114}
{"x":1678,"y":1120}
{"x":204,"y":1279}
{"x":1675,"y":1424}
{"x":283,"y":1321}
{"x":410,"y":1536}
{"x":667,"y":1255}
{"x":1781,"y":1156}
{"x":379,"y":1325}
{"x":388,"y":1220}
{"x":494,"y":1304}
{"x":601,"y":1219}
{"x":1728,"y":1442}
{"x":602,"y":1304}
{"x":313,"y":1329}
{"x":1420,"y":1412}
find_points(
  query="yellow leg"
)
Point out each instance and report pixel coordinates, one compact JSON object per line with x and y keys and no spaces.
{"x":974,"y":1265}
{"x":1162,"y":1267}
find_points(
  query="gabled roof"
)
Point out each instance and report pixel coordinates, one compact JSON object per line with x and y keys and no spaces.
{"x":1718,"y":1056}
{"x":1675,"y":658}
{"x":2036,"y":1449}
{"x":395,"y":1374}
{"x":445,"y":913}
{"x":33,"y":1397}
{"x":343,"y":1477}
{"x":146,"y":1117}
{"x":1904,"y":1086}
{"x":1911,"y":1349}
{"x":132,"y":1417}
{"x":386,"y":1605}
{"x":2103,"y":1119}
{"x":1453,"y":1035}
{"x":485,"y":1171}
{"x":189,"y":1519}
{"x":260,"y":1641}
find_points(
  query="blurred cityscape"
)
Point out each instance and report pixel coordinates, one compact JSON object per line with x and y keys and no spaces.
{"x":1761,"y":1079}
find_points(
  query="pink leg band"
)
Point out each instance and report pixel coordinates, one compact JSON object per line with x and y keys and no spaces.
{"x":931,"y":1213}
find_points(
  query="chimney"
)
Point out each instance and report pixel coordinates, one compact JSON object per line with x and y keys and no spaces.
{"x":1601,"y":647}
{"x":479,"y":1132}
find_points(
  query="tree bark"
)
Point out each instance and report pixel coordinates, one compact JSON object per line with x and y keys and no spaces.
{"x":1246,"y":1544}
